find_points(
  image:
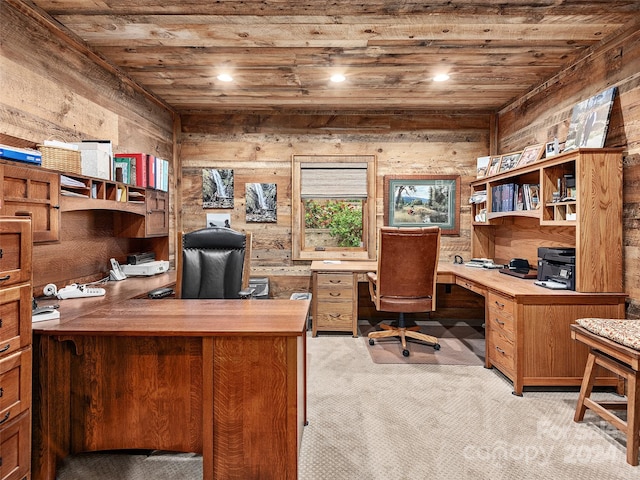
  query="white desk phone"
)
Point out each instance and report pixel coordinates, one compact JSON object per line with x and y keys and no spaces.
{"x":73,"y":291}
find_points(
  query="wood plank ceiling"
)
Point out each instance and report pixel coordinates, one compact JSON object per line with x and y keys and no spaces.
{"x":282,"y":53}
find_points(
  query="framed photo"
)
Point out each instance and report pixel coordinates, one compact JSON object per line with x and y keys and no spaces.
{"x":590,"y":121}
{"x":531,"y":154}
{"x":218,"y":220}
{"x":550,"y":150}
{"x":261,"y":202}
{"x":494,"y":165}
{"x":509,"y":161}
{"x":422,"y":201}
{"x":482,"y":166}
{"x":217,"y":188}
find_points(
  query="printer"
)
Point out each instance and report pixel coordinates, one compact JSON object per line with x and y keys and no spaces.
{"x":557,"y":265}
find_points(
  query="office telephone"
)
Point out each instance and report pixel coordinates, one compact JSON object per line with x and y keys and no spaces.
{"x":73,"y":291}
{"x":116,"y":272}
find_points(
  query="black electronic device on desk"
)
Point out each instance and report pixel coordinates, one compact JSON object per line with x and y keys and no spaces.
{"x":556,"y":268}
{"x":519,"y":267}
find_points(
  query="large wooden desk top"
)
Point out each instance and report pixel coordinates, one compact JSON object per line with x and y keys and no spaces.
{"x":175,"y":317}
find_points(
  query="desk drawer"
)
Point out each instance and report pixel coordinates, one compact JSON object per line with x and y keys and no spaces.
{"x":501,"y":351}
{"x":15,"y":318}
{"x":335,"y":316}
{"x":335,"y":280}
{"x":15,"y":445}
{"x":500,"y":303}
{"x":471,"y":285}
{"x":15,"y":385}
{"x":500,"y":321}
{"x":335,"y":294}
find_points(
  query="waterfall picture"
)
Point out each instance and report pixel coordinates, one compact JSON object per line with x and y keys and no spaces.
{"x":217,"y":188}
{"x":261,"y":202}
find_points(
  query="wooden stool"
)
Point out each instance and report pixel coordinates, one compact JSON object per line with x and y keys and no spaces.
{"x":608,"y":341}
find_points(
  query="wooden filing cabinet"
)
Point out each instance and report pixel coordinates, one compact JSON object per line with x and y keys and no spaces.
{"x":334,"y":302}
{"x":15,"y":347}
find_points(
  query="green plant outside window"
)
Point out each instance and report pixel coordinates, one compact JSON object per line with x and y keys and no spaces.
{"x":342,"y":218}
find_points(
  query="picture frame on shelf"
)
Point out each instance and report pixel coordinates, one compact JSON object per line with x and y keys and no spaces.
{"x":482,"y":166}
{"x":509,"y":161}
{"x":550,"y":149}
{"x":423,"y":201}
{"x":590,"y":121}
{"x":494,"y":165}
{"x":531,"y":154}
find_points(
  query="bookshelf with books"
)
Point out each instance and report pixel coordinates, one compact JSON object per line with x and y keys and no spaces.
{"x":579,"y":204}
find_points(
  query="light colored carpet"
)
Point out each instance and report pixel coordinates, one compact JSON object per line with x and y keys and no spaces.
{"x":414,"y":421}
{"x":460,"y":344}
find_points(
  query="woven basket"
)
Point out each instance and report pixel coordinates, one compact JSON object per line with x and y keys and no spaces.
{"x":61,"y":159}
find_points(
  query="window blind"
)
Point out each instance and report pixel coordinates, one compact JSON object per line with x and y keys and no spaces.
{"x":333,"y":180}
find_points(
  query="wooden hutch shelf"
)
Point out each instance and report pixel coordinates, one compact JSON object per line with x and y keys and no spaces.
{"x":590,"y":220}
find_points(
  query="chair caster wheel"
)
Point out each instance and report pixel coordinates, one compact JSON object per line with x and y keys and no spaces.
{"x":436,"y":346}
{"x":405,"y":353}
{"x":371,"y":342}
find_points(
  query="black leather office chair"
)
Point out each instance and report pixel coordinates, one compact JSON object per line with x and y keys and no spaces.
{"x":406,"y":280}
{"x":213,"y":263}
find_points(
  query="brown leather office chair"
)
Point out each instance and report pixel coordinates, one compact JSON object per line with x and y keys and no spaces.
{"x":213,"y":263}
{"x":406,"y":280}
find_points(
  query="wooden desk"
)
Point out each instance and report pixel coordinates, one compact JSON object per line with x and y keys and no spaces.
{"x":225,"y":378}
{"x":527,"y":327}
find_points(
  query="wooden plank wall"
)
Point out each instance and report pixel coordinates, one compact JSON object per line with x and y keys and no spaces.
{"x":51,"y":88}
{"x":259,"y":148}
{"x":545,"y":113}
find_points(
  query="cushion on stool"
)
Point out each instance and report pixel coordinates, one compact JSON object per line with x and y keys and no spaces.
{"x":625,"y":332}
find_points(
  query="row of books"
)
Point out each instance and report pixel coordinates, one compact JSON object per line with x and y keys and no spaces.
{"x":141,"y":170}
{"x":510,"y":197}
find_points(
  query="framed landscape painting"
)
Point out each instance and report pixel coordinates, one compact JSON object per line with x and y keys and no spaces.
{"x":422,"y":201}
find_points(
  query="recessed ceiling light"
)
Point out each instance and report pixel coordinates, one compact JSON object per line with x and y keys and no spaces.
{"x":443,"y":77}
{"x":337,"y":78}
{"x":225,"y":77}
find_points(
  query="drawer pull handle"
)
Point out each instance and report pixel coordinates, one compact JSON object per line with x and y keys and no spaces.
{"x":335,"y":281}
{"x":7,"y":277}
{"x":500,"y":350}
{"x":334,"y":315}
{"x":6,"y":417}
{"x":4,"y":349}
{"x":499,"y":322}
{"x":500,"y":305}
{"x":334,"y":294}
{"x":1,"y":392}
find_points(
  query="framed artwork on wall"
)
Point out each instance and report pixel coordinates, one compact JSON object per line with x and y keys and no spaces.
{"x":422,"y":201}
{"x":218,"y":220}
{"x":590,"y":121}
{"x":217,"y":188}
{"x":261,"y":202}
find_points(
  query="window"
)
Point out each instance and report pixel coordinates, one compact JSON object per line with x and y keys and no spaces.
{"x":333,"y":207}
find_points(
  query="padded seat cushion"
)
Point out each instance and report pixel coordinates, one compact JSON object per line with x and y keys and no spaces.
{"x":625,"y":332}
